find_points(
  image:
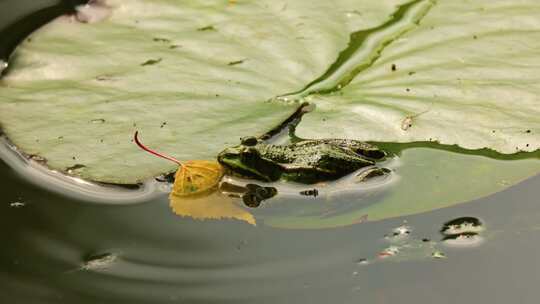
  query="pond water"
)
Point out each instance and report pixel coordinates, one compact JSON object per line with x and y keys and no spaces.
{"x":59,"y":249}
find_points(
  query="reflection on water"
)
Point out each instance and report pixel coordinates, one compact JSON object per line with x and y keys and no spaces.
{"x":214,"y":206}
{"x":61,"y":250}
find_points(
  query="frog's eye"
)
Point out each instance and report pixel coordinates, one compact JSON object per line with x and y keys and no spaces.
{"x":249,"y":141}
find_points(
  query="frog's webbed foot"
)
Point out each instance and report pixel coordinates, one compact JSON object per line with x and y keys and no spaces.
{"x":251,"y":194}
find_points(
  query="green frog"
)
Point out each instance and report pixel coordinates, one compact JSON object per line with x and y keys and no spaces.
{"x":304,"y":161}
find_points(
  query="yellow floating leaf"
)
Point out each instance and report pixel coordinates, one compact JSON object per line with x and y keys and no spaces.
{"x":212,"y":206}
{"x":197,"y":177}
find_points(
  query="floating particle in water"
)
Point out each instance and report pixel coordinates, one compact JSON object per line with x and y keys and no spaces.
{"x":388,"y":252}
{"x":462,"y":225}
{"x":17,"y":204}
{"x":99,"y":261}
{"x":362,"y":261}
{"x":399,"y":232}
{"x":402,"y":230}
{"x":467,"y":239}
{"x":438,"y":255}
{"x":311,"y":192}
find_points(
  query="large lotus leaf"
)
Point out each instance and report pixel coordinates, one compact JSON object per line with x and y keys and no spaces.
{"x":191,"y":76}
{"x":429,"y":179}
{"x":467,"y":75}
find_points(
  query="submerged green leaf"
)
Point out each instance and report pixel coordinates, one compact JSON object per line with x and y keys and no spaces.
{"x":429,"y":179}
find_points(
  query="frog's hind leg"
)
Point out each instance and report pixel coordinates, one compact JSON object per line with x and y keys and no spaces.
{"x":284,"y":133}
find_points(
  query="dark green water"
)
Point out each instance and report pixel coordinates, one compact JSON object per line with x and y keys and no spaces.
{"x":158,"y":257}
{"x":162,"y":258}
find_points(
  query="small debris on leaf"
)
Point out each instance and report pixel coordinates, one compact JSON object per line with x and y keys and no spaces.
{"x":70,"y":170}
{"x":151,"y":62}
{"x":37,"y":158}
{"x":206,"y":28}
{"x":407,"y":123}
{"x":158,"y":39}
{"x":235,"y":62}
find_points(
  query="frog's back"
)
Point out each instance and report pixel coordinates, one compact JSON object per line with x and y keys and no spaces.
{"x":313,"y":160}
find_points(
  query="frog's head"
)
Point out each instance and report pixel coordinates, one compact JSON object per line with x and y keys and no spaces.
{"x":246,"y":160}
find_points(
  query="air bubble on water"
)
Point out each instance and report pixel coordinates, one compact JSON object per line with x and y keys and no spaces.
{"x":463,"y":225}
{"x":99,"y":261}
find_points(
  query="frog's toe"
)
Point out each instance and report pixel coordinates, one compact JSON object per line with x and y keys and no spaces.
{"x":371,"y":173}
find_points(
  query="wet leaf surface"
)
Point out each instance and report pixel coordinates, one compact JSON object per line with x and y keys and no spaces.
{"x":466,"y":74}
{"x":115,"y":70}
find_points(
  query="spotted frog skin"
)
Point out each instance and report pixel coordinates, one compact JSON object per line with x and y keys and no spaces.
{"x":307,"y":161}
